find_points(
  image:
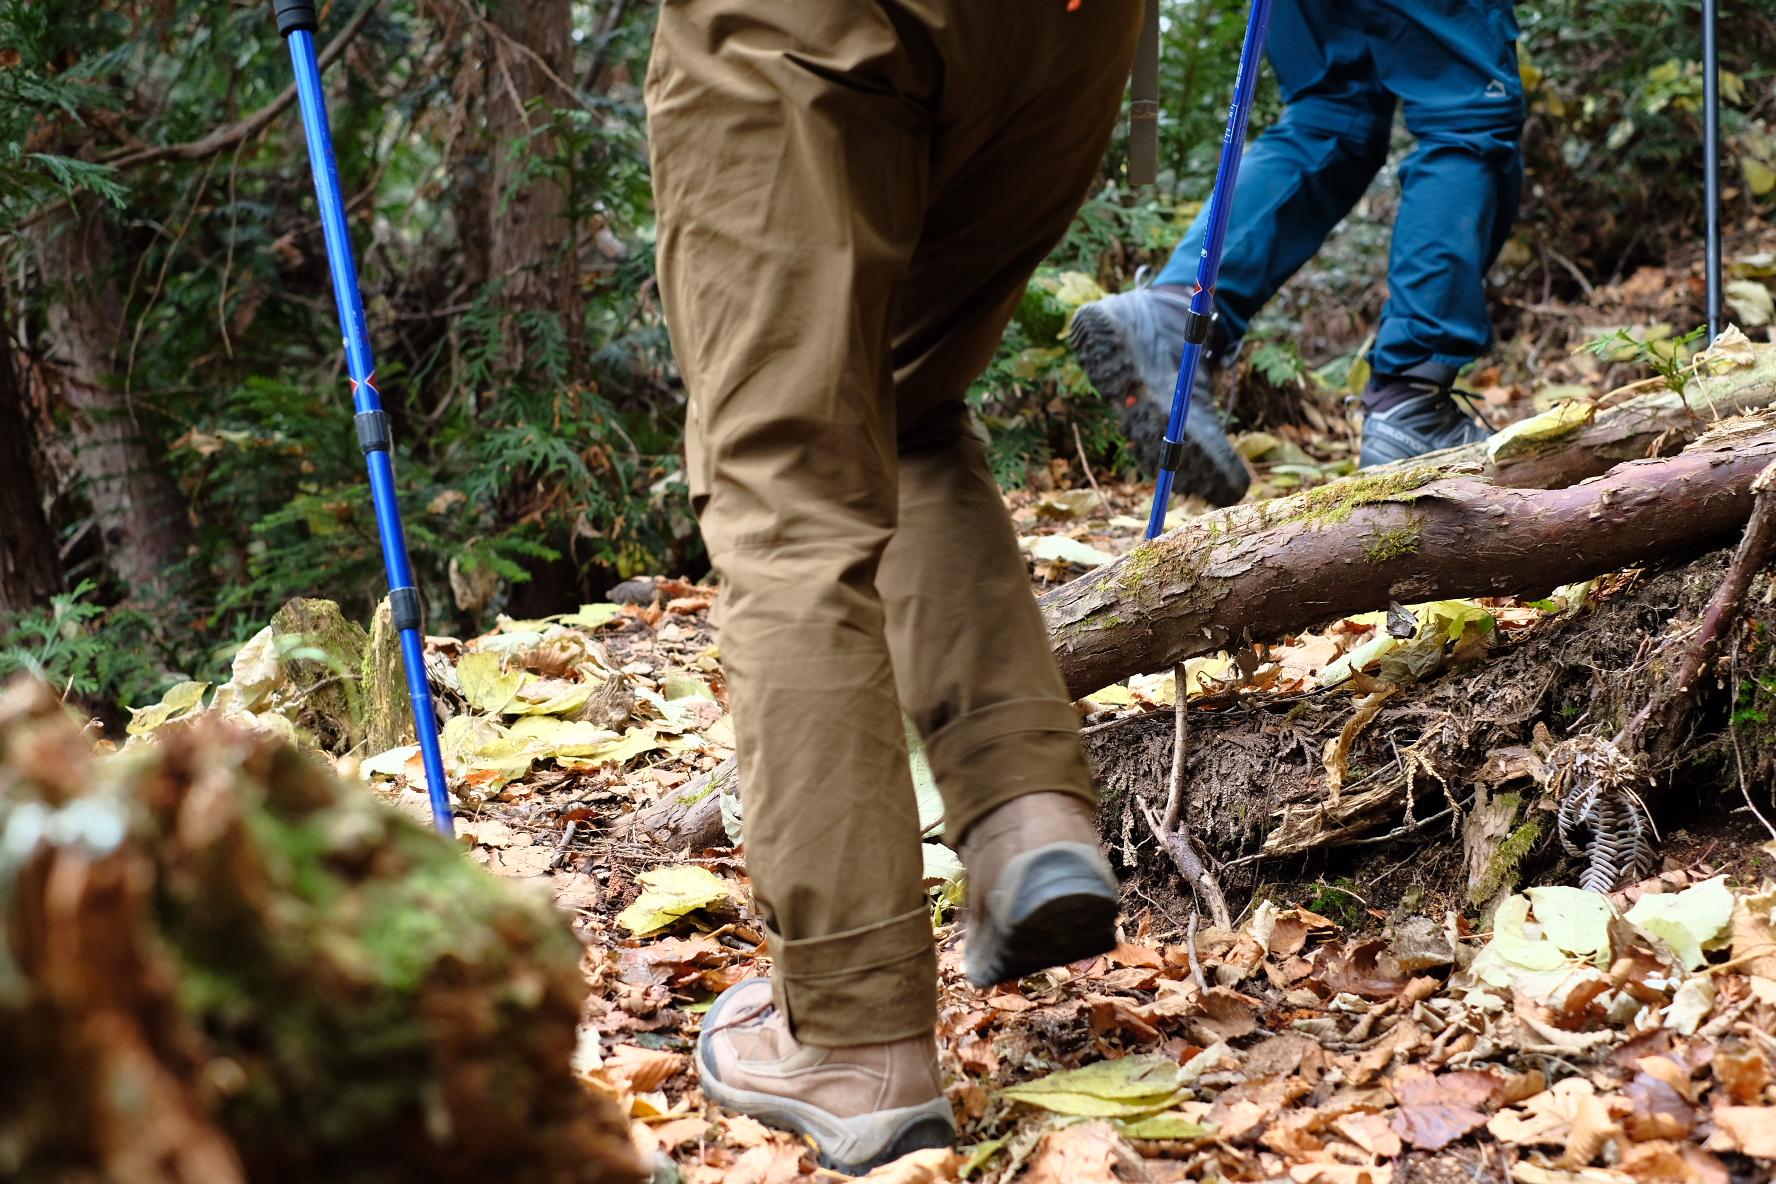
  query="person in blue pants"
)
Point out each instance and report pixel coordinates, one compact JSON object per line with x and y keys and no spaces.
{"x":1343,"y":66}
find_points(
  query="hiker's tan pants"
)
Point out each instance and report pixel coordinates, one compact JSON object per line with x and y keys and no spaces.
{"x":851,"y":196}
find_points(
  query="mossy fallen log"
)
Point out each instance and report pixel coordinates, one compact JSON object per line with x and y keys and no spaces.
{"x":1409,"y":534}
{"x":223,"y":964}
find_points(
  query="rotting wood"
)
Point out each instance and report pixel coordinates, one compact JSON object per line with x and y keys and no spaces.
{"x":688,"y":817}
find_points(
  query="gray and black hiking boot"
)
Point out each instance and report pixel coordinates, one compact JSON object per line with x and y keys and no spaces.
{"x":1040,"y":892}
{"x":1129,"y":345}
{"x":1407,"y":417}
{"x":862,"y":1106}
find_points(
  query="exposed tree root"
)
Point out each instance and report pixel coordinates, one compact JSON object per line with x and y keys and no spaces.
{"x":1465,"y":754}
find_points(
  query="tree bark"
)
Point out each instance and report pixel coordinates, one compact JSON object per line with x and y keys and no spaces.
{"x":1630,"y":424}
{"x":30,"y":566}
{"x":138,"y":511}
{"x":1409,"y":535}
{"x":529,"y":235}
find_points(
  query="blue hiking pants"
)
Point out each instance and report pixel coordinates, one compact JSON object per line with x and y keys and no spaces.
{"x":1342,"y":65}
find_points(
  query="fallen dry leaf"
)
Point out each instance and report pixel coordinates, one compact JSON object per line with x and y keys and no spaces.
{"x":1673,"y":1163}
{"x":1085,"y":1153}
{"x":776,"y":1162}
{"x":1341,"y":1173}
{"x":642,"y":1069}
{"x":1546,"y":1118}
{"x":1225,"y":1014}
{"x":1743,"y":1072}
{"x":1749,"y":1130}
{"x":1435,"y":1111}
{"x":933,"y":1165}
{"x":1658,"y":1111}
{"x":1372,"y":1132}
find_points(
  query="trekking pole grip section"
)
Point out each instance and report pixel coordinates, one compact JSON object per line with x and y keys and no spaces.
{"x":295,"y":14}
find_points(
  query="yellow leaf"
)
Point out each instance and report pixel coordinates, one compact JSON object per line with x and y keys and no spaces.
{"x":669,"y":893}
{"x":685,"y":686}
{"x":1690,"y":921}
{"x":1127,"y":1087}
{"x":1557,"y":421}
{"x":592,"y":616}
{"x":1760,"y":178}
{"x":178,"y":702}
{"x":634,"y":743}
{"x":1076,"y":288}
{"x":1163,"y":1126}
{"x":549,"y":696}
{"x":1750,"y":302}
{"x":1114,"y":695}
{"x":484,"y":685}
{"x":545,"y":736}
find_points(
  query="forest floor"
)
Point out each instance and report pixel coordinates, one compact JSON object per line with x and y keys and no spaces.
{"x":1330,"y":1037}
{"x":1355,"y":1025}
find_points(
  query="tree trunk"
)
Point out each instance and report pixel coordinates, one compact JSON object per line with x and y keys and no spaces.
{"x":1409,"y":535}
{"x":138,"y":511}
{"x":529,"y":234}
{"x":30,"y":567}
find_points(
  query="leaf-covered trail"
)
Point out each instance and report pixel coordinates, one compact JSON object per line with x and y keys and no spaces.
{"x":1577,"y":1047}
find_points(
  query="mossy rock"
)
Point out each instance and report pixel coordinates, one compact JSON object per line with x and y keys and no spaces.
{"x":225,"y":964}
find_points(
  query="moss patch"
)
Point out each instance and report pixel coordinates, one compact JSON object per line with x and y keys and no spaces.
{"x":1327,"y":505}
{"x":1394,"y":541}
{"x":1501,"y":871}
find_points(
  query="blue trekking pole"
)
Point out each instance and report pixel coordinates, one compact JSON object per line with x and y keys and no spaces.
{"x":1208,"y":267}
{"x":297,"y":23}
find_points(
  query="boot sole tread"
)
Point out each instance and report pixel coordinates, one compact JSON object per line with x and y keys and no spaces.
{"x":1098,"y":342}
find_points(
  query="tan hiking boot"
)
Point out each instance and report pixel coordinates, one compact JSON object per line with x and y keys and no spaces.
{"x":863,"y":1105}
{"x":1040,"y":892}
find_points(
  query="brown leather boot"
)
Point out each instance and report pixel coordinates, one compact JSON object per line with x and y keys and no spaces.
{"x":1040,"y":892}
{"x":863,"y":1105}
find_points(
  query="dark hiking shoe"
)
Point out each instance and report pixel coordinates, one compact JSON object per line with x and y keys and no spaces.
{"x":1129,"y":345}
{"x":1040,"y":892}
{"x":862,"y":1106}
{"x":1405,"y":417}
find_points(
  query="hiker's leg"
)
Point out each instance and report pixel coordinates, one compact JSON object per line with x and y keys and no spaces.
{"x":971,"y":655}
{"x":1455,"y":71}
{"x":790,"y":159}
{"x":1305,"y":172}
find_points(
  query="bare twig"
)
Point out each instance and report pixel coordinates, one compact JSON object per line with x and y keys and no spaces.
{"x":567,"y":838}
{"x":1180,"y":749}
{"x":1103,"y":502}
{"x":1196,"y":968}
{"x":1190,"y":864}
{"x":1753,"y":554}
{"x":229,"y":135}
{"x":1171,"y":831}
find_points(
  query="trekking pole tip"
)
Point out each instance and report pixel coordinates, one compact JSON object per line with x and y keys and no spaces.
{"x":293,"y":15}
